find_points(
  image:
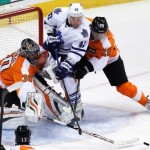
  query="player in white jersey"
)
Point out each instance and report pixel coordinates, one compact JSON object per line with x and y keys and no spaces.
{"x":68,"y":37}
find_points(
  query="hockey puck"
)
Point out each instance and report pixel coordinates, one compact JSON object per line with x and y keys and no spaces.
{"x":147,"y":144}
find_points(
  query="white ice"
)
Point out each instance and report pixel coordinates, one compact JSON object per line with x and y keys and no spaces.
{"x":107,"y":112}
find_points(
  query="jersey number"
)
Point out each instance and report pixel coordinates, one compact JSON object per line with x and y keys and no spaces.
{"x":82,"y":44}
{"x":6,"y":63}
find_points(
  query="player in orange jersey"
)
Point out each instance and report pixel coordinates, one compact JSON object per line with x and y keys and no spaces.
{"x":35,"y":95}
{"x":103,"y":54}
{"x":22,"y":138}
{"x":22,"y":66}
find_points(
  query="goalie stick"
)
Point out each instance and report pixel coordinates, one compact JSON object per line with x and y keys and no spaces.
{"x":121,"y":143}
{"x":9,"y":89}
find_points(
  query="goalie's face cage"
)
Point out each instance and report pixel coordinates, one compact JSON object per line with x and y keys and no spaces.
{"x":23,"y":135}
{"x":30,"y":50}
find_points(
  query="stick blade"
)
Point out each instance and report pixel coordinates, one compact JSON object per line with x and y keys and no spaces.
{"x":14,"y":86}
{"x":127,"y":142}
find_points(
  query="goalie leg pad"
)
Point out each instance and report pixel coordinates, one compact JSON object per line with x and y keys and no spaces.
{"x":34,"y":106}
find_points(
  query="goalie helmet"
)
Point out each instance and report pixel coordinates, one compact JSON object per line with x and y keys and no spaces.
{"x":22,"y":135}
{"x":30,"y":50}
{"x":75,"y":10}
{"x":99,"y":25}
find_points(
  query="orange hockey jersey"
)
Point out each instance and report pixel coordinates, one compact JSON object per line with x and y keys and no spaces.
{"x":104,"y":47}
{"x":15,"y":68}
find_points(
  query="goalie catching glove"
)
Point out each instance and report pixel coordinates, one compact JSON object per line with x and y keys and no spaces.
{"x":48,"y":71}
{"x":82,"y":68}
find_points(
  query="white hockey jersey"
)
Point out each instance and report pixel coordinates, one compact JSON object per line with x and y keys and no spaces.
{"x":74,"y":41}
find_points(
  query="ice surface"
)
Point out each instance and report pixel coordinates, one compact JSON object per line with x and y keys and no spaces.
{"x":107,"y":112}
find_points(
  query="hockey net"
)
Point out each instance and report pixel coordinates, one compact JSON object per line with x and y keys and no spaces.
{"x":16,"y":25}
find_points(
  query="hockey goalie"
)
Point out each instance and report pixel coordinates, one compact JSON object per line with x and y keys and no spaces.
{"x":35,"y":99}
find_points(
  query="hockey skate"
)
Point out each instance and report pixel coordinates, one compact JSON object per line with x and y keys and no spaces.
{"x":67,"y":115}
{"x":79,"y":113}
{"x":148,"y":103}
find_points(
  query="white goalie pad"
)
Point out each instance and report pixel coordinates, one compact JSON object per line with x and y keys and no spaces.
{"x":55,"y":106}
{"x":34,"y":106}
{"x":53,"y":102}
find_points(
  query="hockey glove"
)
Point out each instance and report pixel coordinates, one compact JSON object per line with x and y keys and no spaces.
{"x":63,"y":69}
{"x":54,"y":40}
{"x":82,"y":69}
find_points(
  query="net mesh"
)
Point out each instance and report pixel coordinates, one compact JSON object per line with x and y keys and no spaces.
{"x":15,"y":28}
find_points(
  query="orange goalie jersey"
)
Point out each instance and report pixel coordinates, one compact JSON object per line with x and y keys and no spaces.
{"x":15,"y":68}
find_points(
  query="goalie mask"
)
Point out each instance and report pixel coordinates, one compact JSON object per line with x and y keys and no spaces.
{"x":30,"y":50}
{"x":99,"y":25}
{"x":22,"y":135}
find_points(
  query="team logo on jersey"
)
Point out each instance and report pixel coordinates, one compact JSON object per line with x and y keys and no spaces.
{"x":84,"y":33}
{"x":57,"y":11}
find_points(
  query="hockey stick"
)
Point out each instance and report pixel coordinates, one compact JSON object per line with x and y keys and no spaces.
{"x":75,"y":105}
{"x":123,"y":143}
{"x":67,"y":95}
{"x":9,"y":89}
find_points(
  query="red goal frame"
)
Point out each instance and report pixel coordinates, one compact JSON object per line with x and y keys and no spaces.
{"x":25,"y":11}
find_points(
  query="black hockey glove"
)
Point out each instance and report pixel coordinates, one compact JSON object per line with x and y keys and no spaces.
{"x":82,"y":68}
{"x":63,"y":69}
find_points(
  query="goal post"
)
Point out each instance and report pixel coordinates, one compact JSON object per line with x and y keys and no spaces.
{"x":17,"y":25}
